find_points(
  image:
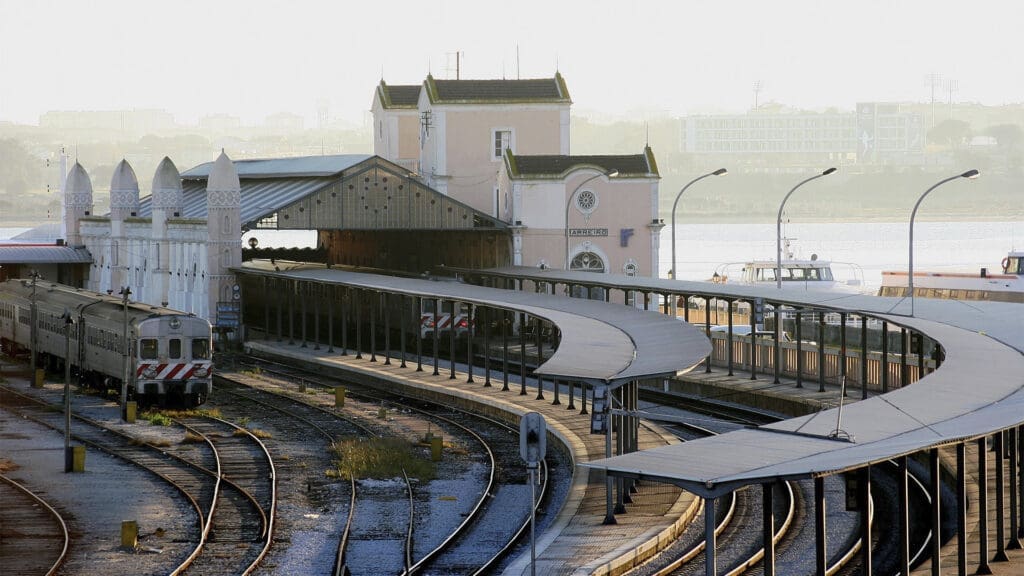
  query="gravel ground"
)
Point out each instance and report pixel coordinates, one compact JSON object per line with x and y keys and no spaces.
{"x":94,"y":503}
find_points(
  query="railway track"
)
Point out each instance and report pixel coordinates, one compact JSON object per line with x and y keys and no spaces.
{"x":243,"y":520}
{"x":33,"y":536}
{"x":194,"y":469}
{"x":491,"y":518}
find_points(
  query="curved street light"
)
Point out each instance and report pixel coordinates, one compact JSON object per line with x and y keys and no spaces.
{"x":970,"y":174}
{"x":778,"y":226}
{"x":610,"y":174}
{"x":719,"y":172}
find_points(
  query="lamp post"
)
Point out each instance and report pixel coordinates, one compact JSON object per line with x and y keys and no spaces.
{"x":68,"y":456}
{"x":125,"y":374}
{"x":970,"y":174}
{"x":778,"y":226}
{"x":32,"y":333}
{"x":610,"y":174}
{"x":719,"y":172}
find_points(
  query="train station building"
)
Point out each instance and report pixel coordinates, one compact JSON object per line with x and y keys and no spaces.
{"x":466,"y":173}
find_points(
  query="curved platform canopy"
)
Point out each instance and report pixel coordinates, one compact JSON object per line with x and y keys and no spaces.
{"x":978,"y":390}
{"x":610,"y":344}
{"x":339,"y":192}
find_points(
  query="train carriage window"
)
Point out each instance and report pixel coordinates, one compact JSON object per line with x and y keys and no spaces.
{"x":148,"y":349}
{"x":200,"y":348}
{"x":174,"y":348}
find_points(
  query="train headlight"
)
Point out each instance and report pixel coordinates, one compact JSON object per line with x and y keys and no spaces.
{"x":149,"y":372}
{"x":202,"y":372}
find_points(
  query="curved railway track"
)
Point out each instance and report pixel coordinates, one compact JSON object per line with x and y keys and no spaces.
{"x":458,"y":551}
{"x":243,"y":520}
{"x":33,"y":536}
{"x":198,"y":478}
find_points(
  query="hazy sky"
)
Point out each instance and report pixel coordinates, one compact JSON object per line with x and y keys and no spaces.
{"x":256,"y":57}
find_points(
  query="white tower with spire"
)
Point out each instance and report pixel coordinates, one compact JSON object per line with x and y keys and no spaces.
{"x":223,"y":245}
{"x":167,"y":203}
{"x":124,"y":203}
{"x":77,"y":203}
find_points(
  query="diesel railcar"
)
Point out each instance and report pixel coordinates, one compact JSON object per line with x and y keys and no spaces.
{"x":169,"y":353}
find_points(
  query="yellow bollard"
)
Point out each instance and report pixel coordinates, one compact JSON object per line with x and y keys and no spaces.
{"x":129,"y":534}
{"x":436,"y":444}
{"x":339,"y":397}
{"x":78,"y":458}
{"x":39,"y":378}
{"x":131,"y":409}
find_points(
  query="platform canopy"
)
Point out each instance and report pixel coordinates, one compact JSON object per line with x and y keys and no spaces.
{"x":600,"y":342}
{"x":978,"y":390}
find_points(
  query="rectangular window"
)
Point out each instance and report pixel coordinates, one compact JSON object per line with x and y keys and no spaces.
{"x":148,"y":349}
{"x":174,"y":348}
{"x":502,"y":141}
{"x":200,"y":348}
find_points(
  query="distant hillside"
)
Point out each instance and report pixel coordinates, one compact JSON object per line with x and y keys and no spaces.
{"x":856,"y":197}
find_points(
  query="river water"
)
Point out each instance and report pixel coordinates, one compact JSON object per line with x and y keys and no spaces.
{"x":873,"y":246}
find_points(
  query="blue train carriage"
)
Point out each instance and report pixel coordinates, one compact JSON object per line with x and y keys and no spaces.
{"x":169,"y":353}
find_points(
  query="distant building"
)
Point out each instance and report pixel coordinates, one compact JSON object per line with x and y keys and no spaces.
{"x":135,"y":122}
{"x":876,"y":133}
{"x":502,"y":147}
{"x":284,"y":122}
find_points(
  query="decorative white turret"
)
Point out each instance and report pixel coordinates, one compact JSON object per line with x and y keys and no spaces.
{"x":224,"y":245}
{"x":77,"y":203}
{"x":124,"y":192}
{"x":167,"y":203}
{"x":167,"y":193}
{"x":124,"y":203}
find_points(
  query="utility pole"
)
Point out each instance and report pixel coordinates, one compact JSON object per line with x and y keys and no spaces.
{"x":933,"y":80}
{"x":32,"y":335}
{"x":952,"y":87}
{"x":125,"y":374}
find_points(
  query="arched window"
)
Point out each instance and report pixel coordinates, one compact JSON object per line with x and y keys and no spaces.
{"x":587,"y":262}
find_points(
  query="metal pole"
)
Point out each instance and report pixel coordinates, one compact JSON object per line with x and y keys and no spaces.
{"x":885,"y":357}
{"x":799,"y":350}
{"x":768,"y":527}
{"x":533,"y":517}
{"x":728,"y":343}
{"x":820,"y":548}
{"x":719,"y":172}
{"x":469,"y":343}
{"x":710,"y":562}
{"x":68,"y":459}
{"x":707,"y":332}
{"x":821,"y":351}
{"x":522,"y":354}
{"x":1014,"y":543}
{"x":125,"y":368}
{"x":935,"y":493}
{"x":904,"y":515}
{"x":864,"y":357}
{"x":609,"y":516}
{"x":864,"y":488}
{"x":32,"y":338}
{"x":1000,"y":499}
{"x":778,"y":227}
{"x":961,"y":508}
{"x":983,"y":567}
{"x":913,"y":214}
{"x":778,"y":342}
{"x":753,"y":341}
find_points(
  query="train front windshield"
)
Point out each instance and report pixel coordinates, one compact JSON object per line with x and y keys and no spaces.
{"x":200,"y":349}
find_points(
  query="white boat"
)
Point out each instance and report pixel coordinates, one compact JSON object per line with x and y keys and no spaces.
{"x":1006,"y":286}
{"x":811,"y":274}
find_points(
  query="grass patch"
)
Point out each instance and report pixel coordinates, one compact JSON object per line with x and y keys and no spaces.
{"x":192,"y":438}
{"x":382,"y":458}
{"x":243,"y":421}
{"x":7,"y":466}
{"x":261,"y":434}
{"x":255,"y":372}
{"x":156,"y":418}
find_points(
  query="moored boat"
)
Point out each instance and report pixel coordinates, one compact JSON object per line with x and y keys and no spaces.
{"x":1006,"y":286}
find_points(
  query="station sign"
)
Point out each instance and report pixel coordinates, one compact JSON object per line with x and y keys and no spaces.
{"x":588,"y":231}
